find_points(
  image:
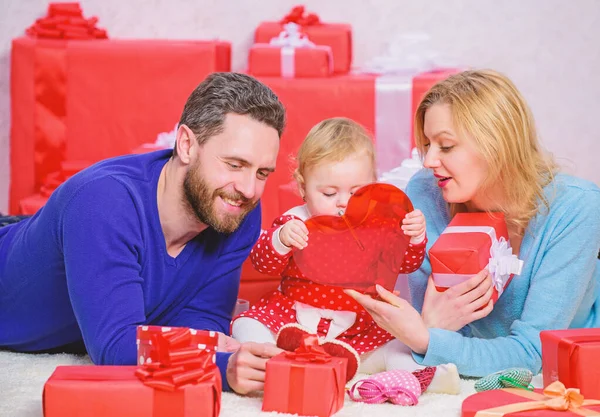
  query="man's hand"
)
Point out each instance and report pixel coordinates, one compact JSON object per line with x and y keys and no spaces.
{"x":246,"y":367}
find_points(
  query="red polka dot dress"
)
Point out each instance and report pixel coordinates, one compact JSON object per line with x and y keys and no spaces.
{"x":279,"y":307}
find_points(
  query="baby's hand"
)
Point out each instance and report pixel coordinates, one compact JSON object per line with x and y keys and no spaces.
{"x":294,"y":234}
{"x":413,"y":225}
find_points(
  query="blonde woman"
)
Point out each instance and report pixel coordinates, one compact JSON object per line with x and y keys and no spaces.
{"x":482,"y":154}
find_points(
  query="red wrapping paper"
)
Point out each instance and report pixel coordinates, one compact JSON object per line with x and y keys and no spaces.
{"x":336,"y":35}
{"x":266,"y":60}
{"x":307,"y":382}
{"x":115,"y":391}
{"x":573,"y":357}
{"x":138,"y":89}
{"x":465,"y":254}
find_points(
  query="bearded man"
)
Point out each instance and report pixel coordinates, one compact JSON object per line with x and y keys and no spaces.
{"x":156,"y":238}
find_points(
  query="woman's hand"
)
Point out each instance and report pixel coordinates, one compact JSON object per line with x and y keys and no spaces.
{"x":397,"y":317}
{"x":458,"y":305}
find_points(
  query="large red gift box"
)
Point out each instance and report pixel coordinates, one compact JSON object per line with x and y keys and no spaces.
{"x":307,"y":382}
{"x":470,"y":243}
{"x":94,"y":99}
{"x":116,"y":391}
{"x":274,"y":61}
{"x":573,"y":357}
{"x":338,"y":36}
{"x":515,"y":402}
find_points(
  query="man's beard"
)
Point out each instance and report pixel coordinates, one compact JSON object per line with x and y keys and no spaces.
{"x":200,"y":199}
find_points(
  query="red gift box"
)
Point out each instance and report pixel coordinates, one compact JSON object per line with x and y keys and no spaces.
{"x":94,"y":99}
{"x":307,"y":382}
{"x":116,"y":391}
{"x":470,"y":243}
{"x":573,"y":357}
{"x":554,"y":401}
{"x":338,"y":36}
{"x":274,"y":61}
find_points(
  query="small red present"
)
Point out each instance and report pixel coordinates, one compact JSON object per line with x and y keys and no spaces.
{"x":290,"y":55}
{"x":554,"y":401}
{"x":308,"y":382}
{"x":470,"y":243}
{"x":337,"y":36}
{"x":573,"y":357}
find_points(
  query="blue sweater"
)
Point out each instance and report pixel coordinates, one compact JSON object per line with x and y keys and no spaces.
{"x":92,"y":264}
{"x":559,"y":287}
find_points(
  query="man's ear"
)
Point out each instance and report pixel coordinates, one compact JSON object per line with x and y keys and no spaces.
{"x":185,"y":142}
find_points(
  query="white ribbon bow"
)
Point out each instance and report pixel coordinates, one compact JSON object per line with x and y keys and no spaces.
{"x":309,"y":317}
{"x":503,"y":263}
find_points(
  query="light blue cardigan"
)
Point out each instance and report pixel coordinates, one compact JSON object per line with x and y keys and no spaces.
{"x":559,"y":286}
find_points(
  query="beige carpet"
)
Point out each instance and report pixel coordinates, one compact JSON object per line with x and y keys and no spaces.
{"x":22,"y":378}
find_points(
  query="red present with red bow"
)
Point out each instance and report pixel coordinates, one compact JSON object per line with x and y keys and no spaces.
{"x":554,"y":401}
{"x":177,"y":379}
{"x":338,"y":36}
{"x":573,"y":357}
{"x":307,"y":382}
{"x":470,"y":243}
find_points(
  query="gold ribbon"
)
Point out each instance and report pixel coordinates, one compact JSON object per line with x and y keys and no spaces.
{"x":555,"y":397}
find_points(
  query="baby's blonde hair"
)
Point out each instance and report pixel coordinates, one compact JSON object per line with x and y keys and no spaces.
{"x":331,"y":141}
{"x":488,"y":107}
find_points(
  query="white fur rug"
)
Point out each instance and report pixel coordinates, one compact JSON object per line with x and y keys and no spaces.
{"x":22,"y":378}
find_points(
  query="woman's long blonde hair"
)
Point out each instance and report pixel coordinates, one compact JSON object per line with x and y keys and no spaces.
{"x":332,"y":140}
{"x":487,"y":106}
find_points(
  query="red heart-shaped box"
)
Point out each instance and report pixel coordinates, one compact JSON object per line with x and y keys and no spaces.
{"x":364,"y":247}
